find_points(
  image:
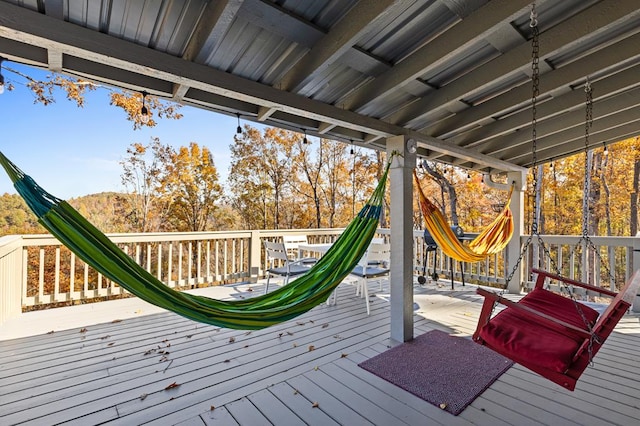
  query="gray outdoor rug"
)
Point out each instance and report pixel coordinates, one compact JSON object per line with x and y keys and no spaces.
{"x":447,"y":371}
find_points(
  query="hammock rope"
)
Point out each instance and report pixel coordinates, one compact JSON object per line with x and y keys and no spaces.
{"x":282,"y":304}
{"x":491,"y":240}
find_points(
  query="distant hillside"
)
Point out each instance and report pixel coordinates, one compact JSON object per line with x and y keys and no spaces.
{"x":99,"y":209}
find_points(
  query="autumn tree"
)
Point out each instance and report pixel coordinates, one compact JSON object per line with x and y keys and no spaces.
{"x":191,"y":188}
{"x":307,"y":165}
{"x":143,"y":172}
{"x":260,"y":174}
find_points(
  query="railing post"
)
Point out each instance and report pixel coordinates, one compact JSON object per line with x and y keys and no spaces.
{"x":514,"y":248}
{"x":255,"y":254}
{"x":11,"y":277}
{"x":635,"y":264}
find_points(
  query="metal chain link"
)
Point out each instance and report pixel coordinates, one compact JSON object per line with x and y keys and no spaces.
{"x":535,"y":91}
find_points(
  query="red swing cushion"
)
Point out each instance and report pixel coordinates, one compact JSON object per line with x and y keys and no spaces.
{"x":560,"y":307}
{"x":528,"y":341}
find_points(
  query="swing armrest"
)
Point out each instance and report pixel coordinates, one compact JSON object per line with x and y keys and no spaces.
{"x":544,"y":274}
{"x":527,"y":312}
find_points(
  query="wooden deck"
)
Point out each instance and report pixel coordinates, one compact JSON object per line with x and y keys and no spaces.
{"x":126,"y":363}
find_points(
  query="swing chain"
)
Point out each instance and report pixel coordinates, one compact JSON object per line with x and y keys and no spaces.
{"x":535,"y":90}
{"x":588,"y":123}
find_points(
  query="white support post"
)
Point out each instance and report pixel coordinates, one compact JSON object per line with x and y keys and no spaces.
{"x":401,"y":269}
{"x":514,"y":248}
{"x":255,"y":251}
{"x":635,"y":264}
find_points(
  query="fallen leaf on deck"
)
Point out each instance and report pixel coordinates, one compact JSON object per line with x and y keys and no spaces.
{"x":172,"y":385}
{"x":250,"y":289}
{"x":213,"y":407}
{"x":83,"y":330}
{"x":227,"y":360}
{"x":232,"y":339}
{"x":289,"y":333}
{"x":315,"y":405}
{"x":105,"y":337}
{"x":325,"y":325}
{"x":443,"y":405}
{"x":295,"y":391}
{"x":247,"y":333}
{"x":116,"y":320}
{"x":51,"y":332}
{"x":143,"y":396}
{"x":299,"y":323}
{"x":295,"y":345}
{"x":311,"y":347}
{"x":344,"y":355}
{"x":111,"y":344}
{"x":315,"y":368}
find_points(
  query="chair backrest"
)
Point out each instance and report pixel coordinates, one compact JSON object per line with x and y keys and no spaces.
{"x":276,"y":252}
{"x":376,"y":253}
{"x":291,"y":243}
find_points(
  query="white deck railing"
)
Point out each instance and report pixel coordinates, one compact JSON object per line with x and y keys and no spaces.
{"x":37,"y":270}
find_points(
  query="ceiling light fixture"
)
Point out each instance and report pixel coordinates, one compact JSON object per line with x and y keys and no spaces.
{"x":144,"y":112}
{"x":1,"y":76}
{"x":305,"y":141}
{"x":239,"y":128}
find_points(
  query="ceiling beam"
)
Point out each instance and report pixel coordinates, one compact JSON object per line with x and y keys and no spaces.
{"x":54,"y":60}
{"x":215,"y":20}
{"x":265,"y":112}
{"x":462,"y":35}
{"x":549,"y":82}
{"x":31,"y":27}
{"x":626,"y":130}
{"x":574,"y":99}
{"x":567,"y":130}
{"x":588,"y":22}
{"x":325,"y":127}
{"x":179,"y":91}
{"x":340,"y":38}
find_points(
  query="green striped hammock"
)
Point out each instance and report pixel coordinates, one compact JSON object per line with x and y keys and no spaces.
{"x":286,"y":302}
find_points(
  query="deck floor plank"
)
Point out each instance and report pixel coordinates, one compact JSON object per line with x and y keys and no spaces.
{"x":297,"y":403}
{"x":247,"y":414}
{"x":274,"y":376}
{"x":274,"y":409}
{"x":218,"y":417}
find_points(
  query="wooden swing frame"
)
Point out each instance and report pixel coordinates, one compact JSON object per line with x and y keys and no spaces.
{"x":589,"y":339}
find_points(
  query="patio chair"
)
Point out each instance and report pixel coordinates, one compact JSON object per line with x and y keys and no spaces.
{"x":373,"y":264}
{"x":291,"y":245}
{"x":280,"y":264}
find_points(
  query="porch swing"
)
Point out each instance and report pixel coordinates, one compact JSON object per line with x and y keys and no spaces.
{"x":550,"y":334}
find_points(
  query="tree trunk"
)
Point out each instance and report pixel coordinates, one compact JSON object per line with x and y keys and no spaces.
{"x":447,"y":187}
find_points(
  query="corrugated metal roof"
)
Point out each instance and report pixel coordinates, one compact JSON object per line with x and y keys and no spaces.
{"x":450,"y":73}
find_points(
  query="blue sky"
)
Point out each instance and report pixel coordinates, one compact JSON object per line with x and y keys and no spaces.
{"x":73,"y":151}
